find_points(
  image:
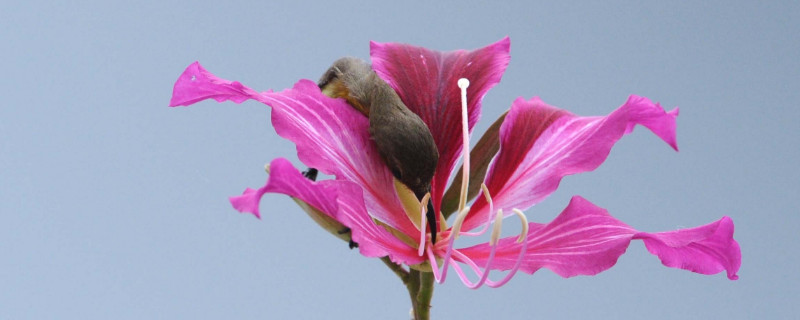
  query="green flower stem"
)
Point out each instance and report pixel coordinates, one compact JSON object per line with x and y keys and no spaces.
{"x":419,"y":285}
{"x":424,"y":296}
{"x":413,"y":291}
{"x":397,"y":269}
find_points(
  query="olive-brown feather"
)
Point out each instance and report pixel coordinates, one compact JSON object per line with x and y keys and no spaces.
{"x":403,"y":140}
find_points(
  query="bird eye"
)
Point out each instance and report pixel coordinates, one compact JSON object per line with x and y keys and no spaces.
{"x":396,"y":172}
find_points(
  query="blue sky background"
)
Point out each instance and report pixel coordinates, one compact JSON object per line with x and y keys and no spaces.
{"x":114,"y":206}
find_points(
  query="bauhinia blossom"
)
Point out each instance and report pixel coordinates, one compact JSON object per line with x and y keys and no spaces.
{"x":518,"y":162}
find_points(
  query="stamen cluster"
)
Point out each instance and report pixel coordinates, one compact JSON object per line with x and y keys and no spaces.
{"x":451,"y":255}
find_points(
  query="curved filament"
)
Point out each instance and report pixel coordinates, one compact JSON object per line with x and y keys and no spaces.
{"x":423,"y":222}
{"x":485,"y":227}
{"x":455,"y":230}
{"x":483,"y":273}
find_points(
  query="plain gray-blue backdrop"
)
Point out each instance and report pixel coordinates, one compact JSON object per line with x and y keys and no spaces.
{"x":114,"y":206}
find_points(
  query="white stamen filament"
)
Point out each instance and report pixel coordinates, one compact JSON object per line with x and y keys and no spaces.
{"x":423,"y":222}
{"x":463,"y":83}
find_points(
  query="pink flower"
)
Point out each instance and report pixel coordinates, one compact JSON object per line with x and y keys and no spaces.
{"x":516,"y":164}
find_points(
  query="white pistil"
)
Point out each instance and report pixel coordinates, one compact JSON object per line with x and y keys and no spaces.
{"x":463,"y":211}
{"x":463,"y":83}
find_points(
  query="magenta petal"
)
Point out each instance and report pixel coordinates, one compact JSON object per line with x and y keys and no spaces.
{"x":707,"y":249}
{"x":282,"y":180}
{"x":340,"y":200}
{"x":663,"y":125}
{"x":248,"y":201}
{"x":334,"y":138}
{"x":330,"y":135}
{"x":540,"y":144}
{"x":196,"y":84}
{"x":426,"y":81}
{"x":583,"y":240}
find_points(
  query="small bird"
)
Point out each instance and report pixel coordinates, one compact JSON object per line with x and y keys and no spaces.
{"x":404,"y":141}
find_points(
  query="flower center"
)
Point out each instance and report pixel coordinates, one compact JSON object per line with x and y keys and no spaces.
{"x":494,"y":218}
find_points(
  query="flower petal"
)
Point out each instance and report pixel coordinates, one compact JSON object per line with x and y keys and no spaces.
{"x":540,"y":144}
{"x":338,"y":199}
{"x":196,"y":84}
{"x":330,"y":135}
{"x":334,"y":138}
{"x":248,"y":201}
{"x":585,"y":240}
{"x":707,"y":249}
{"x":426,"y":81}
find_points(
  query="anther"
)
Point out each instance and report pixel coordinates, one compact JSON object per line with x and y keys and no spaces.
{"x":498,"y":226}
{"x":487,"y":196}
{"x":456,"y":230}
{"x":524,"y":220}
